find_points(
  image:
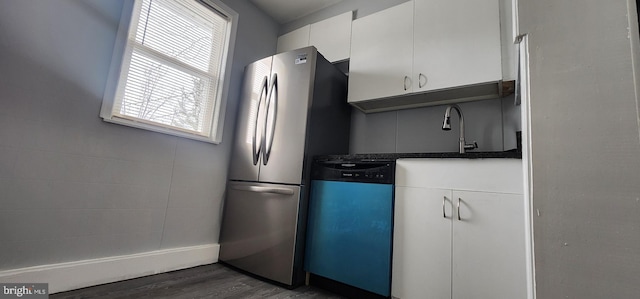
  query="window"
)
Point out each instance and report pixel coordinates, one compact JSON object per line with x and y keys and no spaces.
{"x":171,"y":66}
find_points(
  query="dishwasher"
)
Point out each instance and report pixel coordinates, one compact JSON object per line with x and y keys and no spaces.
{"x":350,"y":224}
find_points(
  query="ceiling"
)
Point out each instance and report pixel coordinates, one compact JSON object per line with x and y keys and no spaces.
{"x":285,"y":11}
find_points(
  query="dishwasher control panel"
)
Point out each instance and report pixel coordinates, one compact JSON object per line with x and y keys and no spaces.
{"x":381,"y":172}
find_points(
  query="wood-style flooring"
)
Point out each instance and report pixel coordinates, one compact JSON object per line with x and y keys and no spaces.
{"x":210,"y":281}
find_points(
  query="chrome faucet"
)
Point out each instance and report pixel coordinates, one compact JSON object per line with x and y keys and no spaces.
{"x":446,"y":125}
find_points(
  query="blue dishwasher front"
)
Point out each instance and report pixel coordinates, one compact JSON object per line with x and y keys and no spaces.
{"x":350,"y":224}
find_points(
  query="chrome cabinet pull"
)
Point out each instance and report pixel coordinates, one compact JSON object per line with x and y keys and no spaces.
{"x":458,"y":208}
{"x":420,"y":84}
{"x":444,"y":213}
{"x":406,"y":78}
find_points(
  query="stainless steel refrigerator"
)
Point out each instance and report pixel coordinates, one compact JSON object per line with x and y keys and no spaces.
{"x":293,"y":106}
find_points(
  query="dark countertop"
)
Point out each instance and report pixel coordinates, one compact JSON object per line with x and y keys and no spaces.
{"x":512,"y":154}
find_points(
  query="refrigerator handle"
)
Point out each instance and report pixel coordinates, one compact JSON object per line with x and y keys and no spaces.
{"x":255,"y":145}
{"x":258,"y":189}
{"x":271,"y":119}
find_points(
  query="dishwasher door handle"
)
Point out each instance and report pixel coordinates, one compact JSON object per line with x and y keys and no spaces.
{"x":259,"y":189}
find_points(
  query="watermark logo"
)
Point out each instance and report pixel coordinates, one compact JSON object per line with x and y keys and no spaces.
{"x":24,"y":290}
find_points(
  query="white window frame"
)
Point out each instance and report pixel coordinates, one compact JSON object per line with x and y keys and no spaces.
{"x":109,"y":98}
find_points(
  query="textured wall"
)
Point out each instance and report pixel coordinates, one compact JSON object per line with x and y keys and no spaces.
{"x":585,"y":147}
{"x":73,"y":187}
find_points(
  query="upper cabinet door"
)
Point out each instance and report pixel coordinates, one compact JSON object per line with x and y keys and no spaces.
{"x":456,"y":43}
{"x":382,"y":54}
{"x":332,"y":37}
{"x":245,"y":160}
{"x":295,"y":39}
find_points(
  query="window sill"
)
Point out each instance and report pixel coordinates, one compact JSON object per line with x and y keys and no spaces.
{"x":149,"y":127}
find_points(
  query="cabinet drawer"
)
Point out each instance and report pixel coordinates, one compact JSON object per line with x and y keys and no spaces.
{"x":486,"y":175}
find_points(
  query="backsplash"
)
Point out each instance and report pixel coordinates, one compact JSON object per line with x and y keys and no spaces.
{"x":491,"y":123}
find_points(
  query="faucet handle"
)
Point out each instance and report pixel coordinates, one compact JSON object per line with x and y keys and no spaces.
{"x":470,"y":146}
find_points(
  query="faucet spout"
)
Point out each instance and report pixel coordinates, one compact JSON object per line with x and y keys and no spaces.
{"x":446,"y":125}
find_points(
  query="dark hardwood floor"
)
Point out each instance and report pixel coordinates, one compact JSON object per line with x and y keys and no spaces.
{"x":210,"y":281}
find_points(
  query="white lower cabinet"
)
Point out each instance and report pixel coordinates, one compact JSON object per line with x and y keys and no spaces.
{"x":488,"y":246}
{"x":421,"y":244}
{"x":457,"y":244}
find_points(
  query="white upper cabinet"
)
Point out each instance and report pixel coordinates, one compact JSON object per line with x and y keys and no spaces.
{"x":295,"y":39}
{"x":508,"y":37}
{"x":456,"y":43}
{"x":382,"y":54}
{"x":441,"y":51}
{"x":332,"y":37}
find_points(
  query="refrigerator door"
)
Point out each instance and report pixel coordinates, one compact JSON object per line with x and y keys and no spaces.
{"x":245,"y":160}
{"x":259,"y":229}
{"x":290,"y":89}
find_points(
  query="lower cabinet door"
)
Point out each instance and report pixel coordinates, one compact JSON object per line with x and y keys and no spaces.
{"x":488,"y":246}
{"x":422,"y":243}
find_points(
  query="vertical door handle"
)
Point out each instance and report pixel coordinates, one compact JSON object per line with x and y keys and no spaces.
{"x":444,"y":213}
{"x":420,"y":84}
{"x":458,"y":208}
{"x":406,"y":86}
{"x":270,"y":120}
{"x":254,"y":143}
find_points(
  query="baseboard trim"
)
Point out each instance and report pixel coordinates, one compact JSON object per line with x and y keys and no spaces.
{"x":79,"y":274}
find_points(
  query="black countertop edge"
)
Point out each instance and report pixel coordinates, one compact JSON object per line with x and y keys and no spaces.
{"x":393,"y":156}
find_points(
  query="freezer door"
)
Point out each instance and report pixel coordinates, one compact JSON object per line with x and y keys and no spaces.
{"x":247,"y":148}
{"x":292,"y":74}
{"x":259,"y":229}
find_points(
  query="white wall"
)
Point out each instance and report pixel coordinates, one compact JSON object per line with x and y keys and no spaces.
{"x":585,"y":147}
{"x":73,"y":187}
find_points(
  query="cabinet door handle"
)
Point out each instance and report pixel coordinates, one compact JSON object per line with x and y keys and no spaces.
{"x":458,"y":207}
{"x":420,"y":84}
{"x":406,"y":78}
{"x":444,"y":213}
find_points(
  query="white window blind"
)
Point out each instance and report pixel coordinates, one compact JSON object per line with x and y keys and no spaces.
{"x":171,"y":72}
